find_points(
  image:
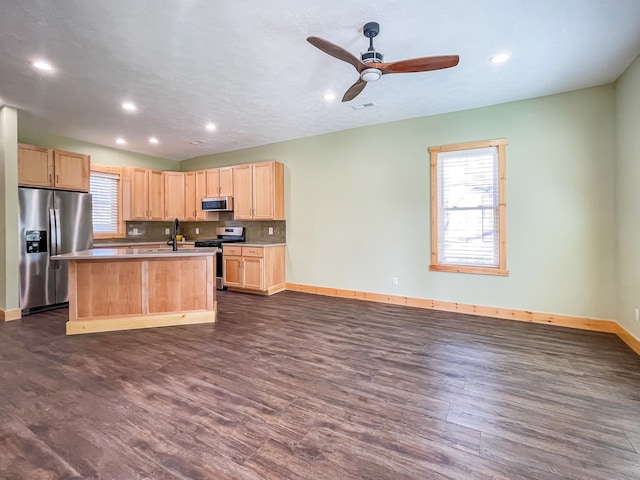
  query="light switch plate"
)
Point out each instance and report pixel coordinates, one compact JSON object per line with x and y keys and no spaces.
{"x":197,"y":231}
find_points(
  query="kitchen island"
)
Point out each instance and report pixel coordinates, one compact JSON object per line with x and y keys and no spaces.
{"x":124,"y":288}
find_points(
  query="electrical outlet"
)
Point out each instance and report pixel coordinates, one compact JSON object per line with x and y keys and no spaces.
{"x":270,"y":230}
{"x":197,"y":231}
{"x":637,"y":314}
{"x":394,"y":281}
{"x":167,"y":231}
{"x":135,"y":231}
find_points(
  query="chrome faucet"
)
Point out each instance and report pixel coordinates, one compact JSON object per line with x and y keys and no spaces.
{"x":176,"y":224}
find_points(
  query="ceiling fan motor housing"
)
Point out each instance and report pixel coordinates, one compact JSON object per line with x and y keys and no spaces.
{"x":371,"y":57}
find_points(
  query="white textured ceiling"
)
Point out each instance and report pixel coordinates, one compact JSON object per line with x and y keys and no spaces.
{"x":245,"y":65}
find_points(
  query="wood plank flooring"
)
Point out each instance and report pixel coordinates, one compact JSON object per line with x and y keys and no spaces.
{"x":298,"y":386}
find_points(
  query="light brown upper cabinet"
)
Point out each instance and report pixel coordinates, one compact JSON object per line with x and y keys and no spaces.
{"x":190,"y":195}
{"x":174,"y":195}
{"x":258,"y":191}
{"x":220,"y":182}
{"x":43,"y":167}
{"x":143,"y":194}
{"x":201,"y":192}
{"x":156,"y":195}
{"x":195,"y":186}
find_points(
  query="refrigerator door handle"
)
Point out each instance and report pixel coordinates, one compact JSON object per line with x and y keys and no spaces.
{"x":53,"y":240}
{"x":58,"y":235}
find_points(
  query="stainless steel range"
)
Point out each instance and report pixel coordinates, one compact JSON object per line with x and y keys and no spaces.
{"x":224,"y":235}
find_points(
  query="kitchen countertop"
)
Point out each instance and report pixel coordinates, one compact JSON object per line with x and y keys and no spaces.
{"x":191,"y":244}
{"x":122,"y":253}
{"x":254,"y":244}
{"x":134,"y":244}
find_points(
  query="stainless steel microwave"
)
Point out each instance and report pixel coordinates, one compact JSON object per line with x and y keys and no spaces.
{"x":218,"y":204}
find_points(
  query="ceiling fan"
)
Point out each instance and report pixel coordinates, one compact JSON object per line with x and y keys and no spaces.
{"x":370,"y":65}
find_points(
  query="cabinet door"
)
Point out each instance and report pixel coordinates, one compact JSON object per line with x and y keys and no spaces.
{"x":174,"y":195}
{"x":263,"y":191}
{"x":213,"y":183}
{"x":253,"y":272}
{"x":232,"y":270}
{"x":156,"y":195}
{"x":35,"y":166}
{"x":225,"y":176}
{"x":71,"y":170}
{"x":190,"y":195}
{"x":137,"y":204}
{"x":201,"y":192}
{"x":242,"y":189}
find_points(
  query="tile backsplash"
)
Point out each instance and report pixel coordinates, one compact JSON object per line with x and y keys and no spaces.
{"x":255,"y":231}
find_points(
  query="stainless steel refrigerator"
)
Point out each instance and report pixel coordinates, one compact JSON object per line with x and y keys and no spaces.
{"x":52,"y":222}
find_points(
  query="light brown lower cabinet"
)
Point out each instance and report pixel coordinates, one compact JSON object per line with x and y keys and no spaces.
{"x":119,"y":292}
{"x":254,"y":269}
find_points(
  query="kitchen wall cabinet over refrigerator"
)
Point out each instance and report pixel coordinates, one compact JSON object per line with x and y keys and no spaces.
{"x":258,"y":191}
{"x":143,"y":194}
{"x":57,"y":169}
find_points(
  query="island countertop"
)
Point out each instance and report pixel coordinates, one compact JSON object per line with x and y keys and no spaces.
{"x":122,"y":253}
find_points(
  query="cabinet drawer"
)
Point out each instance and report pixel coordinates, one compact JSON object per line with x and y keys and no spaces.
{"x":232,"y":250}
{"x":252,"y":251}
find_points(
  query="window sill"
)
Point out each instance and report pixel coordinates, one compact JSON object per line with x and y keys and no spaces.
{"x":466,"y":269}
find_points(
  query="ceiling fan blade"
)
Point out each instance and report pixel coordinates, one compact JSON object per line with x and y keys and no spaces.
{"x":337,"y":51}
{"x":423,"y":64}
{"x":354,"y":90}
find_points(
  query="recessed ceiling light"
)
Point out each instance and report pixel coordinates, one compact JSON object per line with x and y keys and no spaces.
{"x":329,"y":97}
{"x":153,"y":140}
{"x":121,"y":141}
{"x":42,"y":65}
{"x":210,"y":126}
{"x":197,"y":142}
{"x":129,"y":106}
{"x":499,"y":58}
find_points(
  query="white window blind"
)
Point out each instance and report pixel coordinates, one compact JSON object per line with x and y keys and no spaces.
{"x":468,"y":227}
{"x":104,"y":189}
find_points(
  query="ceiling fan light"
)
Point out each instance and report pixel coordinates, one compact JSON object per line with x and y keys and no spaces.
{"x":43,"y":65}
{"x":370,"y":74}
{"x":499,"y":58}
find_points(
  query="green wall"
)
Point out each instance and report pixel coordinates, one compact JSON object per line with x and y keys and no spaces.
{"x":628,"y":195}
{"x":9,"y":290}
{"x":99,"y":154}
{"x":357,"y":205}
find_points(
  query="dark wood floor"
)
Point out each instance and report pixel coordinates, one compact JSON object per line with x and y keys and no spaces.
{"x":309,"y":387}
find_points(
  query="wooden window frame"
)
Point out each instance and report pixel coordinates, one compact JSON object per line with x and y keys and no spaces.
{"x":501,"y":269}
{"x":121,"y":223}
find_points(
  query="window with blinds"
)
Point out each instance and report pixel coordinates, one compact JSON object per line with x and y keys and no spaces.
{"x":467,"y":209}
{"x":104,"y":188}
